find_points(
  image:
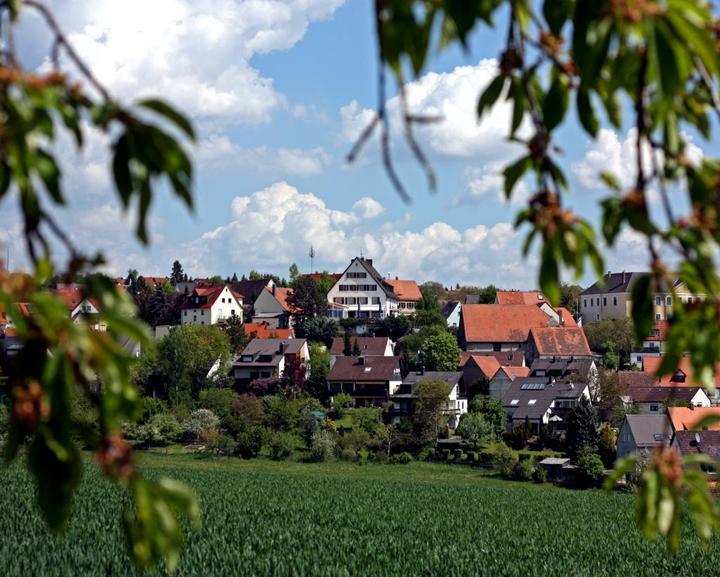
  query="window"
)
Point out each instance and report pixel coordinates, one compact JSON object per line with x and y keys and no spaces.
{"x":514,"y":402}
{"x":591,"y":302}
{"x":615,"y":301}
{"x":584,"y":303}
{"x":532,"y":401}
{"x":690,"y":300}
{"x":604,"y":301}
{"x":654,"y":408}
{"x":658,"y":317}
{"x":668,"y":301}
{"x":184,"y":313}
{"x":658,"y":301}
{"x":265,"y":374}
{"x":356,"y":275}
{"x":376,"y":300}
{"x":659,"y":437}
{"x":247,"y":358}
{"x":362,"y":300}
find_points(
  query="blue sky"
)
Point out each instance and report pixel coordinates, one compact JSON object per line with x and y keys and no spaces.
{"x":278,"y":90}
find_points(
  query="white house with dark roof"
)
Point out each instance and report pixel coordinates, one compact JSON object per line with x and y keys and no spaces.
{"x":640,"y":434}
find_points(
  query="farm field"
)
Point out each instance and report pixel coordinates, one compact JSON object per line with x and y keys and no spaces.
{"x":263,"y":518}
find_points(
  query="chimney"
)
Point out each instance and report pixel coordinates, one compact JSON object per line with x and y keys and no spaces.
{"x":281,"y":348}
{"x":562,"y":320}
{"x":623,"y":277}
{"x":369,"y":261}
{"x":273,"y":289}
{"x":361,"y":360}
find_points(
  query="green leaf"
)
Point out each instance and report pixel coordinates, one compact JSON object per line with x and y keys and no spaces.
{"x":514,"y":172}
{"x":490,"y":95}
{"x":622,"y":468}
{"x":610,"y":180}
{"x":164,"y":109}
{"x":556,"y":13}
{"x":586,"y":113}
{"x":49,"y":173}
{"x":549,"y":273}
{"x":121,"y":170}
{"x":556,"y":100}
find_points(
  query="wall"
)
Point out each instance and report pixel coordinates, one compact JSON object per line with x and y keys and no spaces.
{"x":385,"y":306}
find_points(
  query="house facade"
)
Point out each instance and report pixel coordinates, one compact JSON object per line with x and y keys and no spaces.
{"x":210,"y":305}
{"x":640,"y":434}
{"x":272,"y":308}
{"x":655,"y":400}
{"x":451,"y":312}
{"x":610,"y":297}
{"x":362,"y":293}
{"x":80,"y":307}
{"x":268,"y":358}
{"x":403,"y":401}
{"x":408,"y":295}
{"x":370,"y":381}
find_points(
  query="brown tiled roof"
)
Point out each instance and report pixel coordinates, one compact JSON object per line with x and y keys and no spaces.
{"x":636,"y":379}
{"x":661,"y":394}
{"x":505,"y":358}
{"x":709,"y":443}
{"x":487,"y":365}
{"x":282,"y":294}
{"x":519,"y":297}
{"x":687,"y":418}
{"x":358,"y":369}
{"x":501,"y":323}
{"x":516,"y":372}
{"x":406,"y":290}
{"x":369,"y":346}
{"x":212,"y":292}
{"x":652,"y":365}
{"x":263,"y":331}
{"x":72,"y":295}
{"x":561,"y":341}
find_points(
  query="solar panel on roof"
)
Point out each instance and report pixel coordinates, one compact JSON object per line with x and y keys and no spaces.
{"x":532,"y":386}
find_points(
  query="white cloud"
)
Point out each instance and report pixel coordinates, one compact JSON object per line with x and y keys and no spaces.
{"x":196,"y":53}
{"x":218,"y":151}
{"x":274,"y":227}
{"x":453,"y":97}
{"x":487,"y":182}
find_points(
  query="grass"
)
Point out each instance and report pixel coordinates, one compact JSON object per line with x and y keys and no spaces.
{"x":264,"y":518}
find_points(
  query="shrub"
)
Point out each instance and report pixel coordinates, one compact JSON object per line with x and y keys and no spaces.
{"x":250,"y":442}
{"x":402,"y":459}
{"x":427,"y":454}
{"x":522,"y":470}
{"x":474,"y":456}
{"x":341,"y":402}
{"x":363,"y":455}
{"x":380,"y":457}
{"x":354,"y":440}
{"x":539,"y":475}
{"x":475,"y":428}
{"x":281,"y":445}
{"x":590,"y":469}
{"x":162,"y":429}
{"x":348,"y":455}
{"x":323,"y":446}
{"x":201,"y":420}
{"x":218,"y":443}
{"x":606,"y":446}
{"x":446,"y":454}
{"x":503,"y":459}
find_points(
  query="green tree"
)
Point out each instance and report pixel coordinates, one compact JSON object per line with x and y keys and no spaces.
{"x":475,"y":428}
{"x":316,"y":385}
{"x":318,"y":329}
{"x":430,"y":414}
{"x":235,"y":330}
{"x":177,"y":275}
{"x":492,"y":411}
{"x":570,"y":296}
{"x":187,"y":354}
{"x":440,"y":352}
{"x":307,"y":299}
{"x":393,"y":327}
{"x":294,"y":274}
{"x":616,"y":336}
{"x":582,"y":428}
{"x":606,"y":446}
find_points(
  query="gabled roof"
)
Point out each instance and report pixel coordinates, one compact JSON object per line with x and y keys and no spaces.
{"x":263,"y":331}
{"x":561,"y":341}
{"x":359,"y":369}
{"x":488,"y":365}
{"x":281,"y":294}
{"x":649,"y":430}
{"x":684,"y":370}
{"x":72,"y":296}
{"x":661,"y":394}
{"x":617,"y":282}
{"x":636,"y":379}
{"x":501,"y":323}
{"x":698,"y":442}
{"x":449,"y":307}
{"x":250,"y":289}
{"x":369,"y":346}
{"x":519,"y":297}
{"x":367,"y":264}
{"x":211,"y":293}
{"x":273,"y":348}
{"x":406,"y":290}
{"x":516,"y":372}
{"x":514,"y":358}
{"x":688,"y":418}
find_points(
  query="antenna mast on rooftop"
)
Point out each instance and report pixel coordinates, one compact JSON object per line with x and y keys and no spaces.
{"x":312,"y":257}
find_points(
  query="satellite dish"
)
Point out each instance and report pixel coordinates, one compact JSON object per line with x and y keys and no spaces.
{"x":697,"y":438}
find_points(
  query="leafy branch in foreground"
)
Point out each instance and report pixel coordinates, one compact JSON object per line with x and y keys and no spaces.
{"x":62,"y":357}
{"x":657,"y":59}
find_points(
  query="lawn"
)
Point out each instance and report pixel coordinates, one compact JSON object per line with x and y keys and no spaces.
{"x":263,"y":518}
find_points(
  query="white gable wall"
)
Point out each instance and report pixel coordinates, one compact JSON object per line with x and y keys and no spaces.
{"x":361,"y":295}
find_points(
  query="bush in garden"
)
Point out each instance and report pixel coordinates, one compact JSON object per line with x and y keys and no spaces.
{"x":348,"y":455}
{"x":162,"y":429}
{"x":341,"y":403}
{"x":427,"y":454}
{"x":201,"y":420}
{"x":590,"y":469}
{"x":503,"y":459}
{"x":539,"y":475}
{"x":323,"y":446}
{"x":217,"y":443}
{"x":250,"y":442}
{"x":402,"y":459}
{"x":363,"y":455}
{"x":281,"y":445}
{"x":522,"y":470}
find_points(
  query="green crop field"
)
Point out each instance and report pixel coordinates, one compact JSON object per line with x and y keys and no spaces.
{"x":290,"y":519}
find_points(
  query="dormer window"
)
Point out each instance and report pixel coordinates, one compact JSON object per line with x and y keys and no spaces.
{"x":678,"y":377}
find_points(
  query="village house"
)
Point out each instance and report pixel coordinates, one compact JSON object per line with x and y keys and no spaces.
{"x":542,"y":400}
{"x":370,"y":381}
{"x":368,"y":346}
{"x":268,"y":358}
{"x":654,"y":400}
{"x":408,"y":295}
{"x":611,"y":297}
{"x":78,"y":306}
{"x":404,"y":399}
{"x":706,"y":443}
{"x":451,"y":312}
{"x":272,"y":308}
{"x":694,"y":418}
{"x":640,"y":434}
{"x":251,"y":290}
{"x":652,"y":346}
{"x":210,"y":305}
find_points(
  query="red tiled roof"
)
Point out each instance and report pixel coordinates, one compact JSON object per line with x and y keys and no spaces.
{"x":71,"y":295}
{"x":636,"y":379}
{"x":652,"y":364}
{"x":501,"y":323}
{"x":488,"y":365}
{"x":560,"y":341}
{"x":514,"y":358}
{"x":519,"y":297}
{"x":406,"y":290}
{"x":515,"y":372}
{"x":687,"y":419}
{"x":212,"y":292}
{"x":263,"y":331}
{"x":568,"y":319}
{"x":281,"y":294}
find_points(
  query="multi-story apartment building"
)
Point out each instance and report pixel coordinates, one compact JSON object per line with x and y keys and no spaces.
{"x":611,"y":297}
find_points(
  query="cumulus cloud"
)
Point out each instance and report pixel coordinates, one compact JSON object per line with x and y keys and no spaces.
{"x":453,"y":97}
{"x":197,"y":53}
{"x":274,"y":227}
{"x":218,"y":151}
{"x":487,"y":182}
